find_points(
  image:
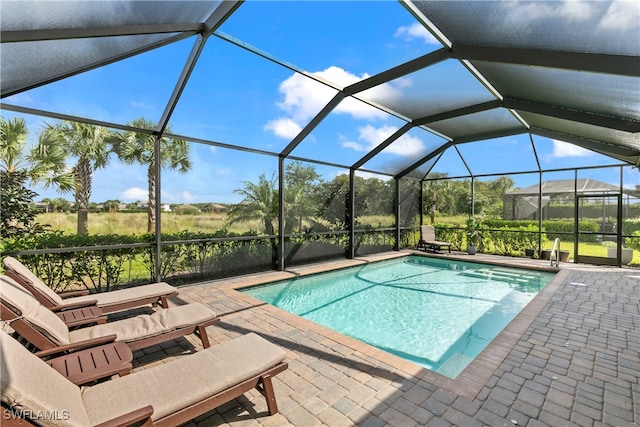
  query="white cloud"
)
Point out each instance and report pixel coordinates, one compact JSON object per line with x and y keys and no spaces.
{"x":407,"y":145}
{"x":340,"y":76}
{"x":370,"y":137}
{"x":355,"y":145}
{"x":527,"y":12}
{"x":618,"y":15}
{"x":416,"y":31}
{"x":576,"y":11}
{"x":134,"y":193}
{"x":284,"y":127}
{"x":303,"y":98}
{"x":564,"y":149}
{"x":621,"y":15}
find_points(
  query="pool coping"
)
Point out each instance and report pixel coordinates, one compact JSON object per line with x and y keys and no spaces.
{"x":471,"y":380}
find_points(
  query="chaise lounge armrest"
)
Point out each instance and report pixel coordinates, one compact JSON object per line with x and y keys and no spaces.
{"x":74,"y":305}
{"x":82,"y":321}
{"x":93,"y":342}
{"x":71,"y":294}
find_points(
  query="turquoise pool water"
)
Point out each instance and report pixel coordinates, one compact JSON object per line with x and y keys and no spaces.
{"x":437,"y":313}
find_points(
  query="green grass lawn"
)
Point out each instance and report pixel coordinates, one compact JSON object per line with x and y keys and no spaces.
{"x":590,"y":249}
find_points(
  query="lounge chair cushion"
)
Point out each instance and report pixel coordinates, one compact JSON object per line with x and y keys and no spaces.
{"x":105,"y":299}
{"x":29,"y":384}
{"x":428,"y":238}
{"x":31,"y":310}
{"x":147,"y":325}
{"x":175,"y":385}
{"x":13,"y":264}
{"x":120,"y":296}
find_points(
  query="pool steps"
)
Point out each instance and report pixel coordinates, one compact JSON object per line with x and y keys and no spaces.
{"x":501,"y":275}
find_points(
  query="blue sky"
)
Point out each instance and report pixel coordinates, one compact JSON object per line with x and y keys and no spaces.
{"x":235,"y":97}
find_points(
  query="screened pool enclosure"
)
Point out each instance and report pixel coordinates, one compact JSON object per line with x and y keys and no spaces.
{"x":203,"y":139}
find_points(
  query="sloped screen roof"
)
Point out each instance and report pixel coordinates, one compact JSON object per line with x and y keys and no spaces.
{"x":568,"y":70}
{"x":569,"y":186}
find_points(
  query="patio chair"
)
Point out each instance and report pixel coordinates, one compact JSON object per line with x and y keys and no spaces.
{"x":122,"y":299}
{"x":428,"y":239}
{"x":50,"y":335}
{"x":165,"y":395}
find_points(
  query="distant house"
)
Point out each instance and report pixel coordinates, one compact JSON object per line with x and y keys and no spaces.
{"x":218,"y":208}
{"x":523,"y":203}
{"x":165,"y":207}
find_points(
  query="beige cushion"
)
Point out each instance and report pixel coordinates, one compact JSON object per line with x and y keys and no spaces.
{"x":35,"y":313}
{"x":11,"y":263}
{"x":147,"y":325}
{"x":29,"y":384}
{"x":175,"y":385}
{"x":427,"y":232}
{"x":106,"y":299}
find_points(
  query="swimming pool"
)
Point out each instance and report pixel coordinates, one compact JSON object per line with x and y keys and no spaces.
{"x":437,"y":313}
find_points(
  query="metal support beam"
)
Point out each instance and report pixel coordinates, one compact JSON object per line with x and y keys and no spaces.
{"x":281,"y":189}
{"x":580,"y":61}
{"x":399,"y":71}
{"x":489,"y":135}
{"x":396,"y":209}
{"x":352,"y":214}
{"x":426,"y":158}
{"x":90,"y":32}
{"x":397,"y":134}
{"x":484,"y":106}
{"x":181,"y":83}
{"x":158,"y":208}
{"x":610,"y":122}
{"x":616,"y":151}
{"x":313,"y":123}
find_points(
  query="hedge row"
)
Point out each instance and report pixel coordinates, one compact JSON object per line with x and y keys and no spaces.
{"x":190,"y":256}
{"x":186,"y":256}
{"x":512,"y":240}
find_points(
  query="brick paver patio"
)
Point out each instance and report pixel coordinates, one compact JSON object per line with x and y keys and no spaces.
{"x":571,"y":358}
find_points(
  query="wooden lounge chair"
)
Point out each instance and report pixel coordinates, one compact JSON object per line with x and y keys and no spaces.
{"x":123,"y":299}
{"x":428,"y":239}
{"x":166,"y":395}
{"x":50,"y":335}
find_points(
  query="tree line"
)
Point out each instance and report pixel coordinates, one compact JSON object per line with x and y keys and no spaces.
{"x":92,"y":147}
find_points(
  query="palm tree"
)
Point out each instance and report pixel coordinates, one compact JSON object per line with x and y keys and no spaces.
{"x":90,"y":144}
{"x":300,"y":181}
{"x":44,"y":163}
{"x":260,"y":202}
{"x":138,"y":147}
